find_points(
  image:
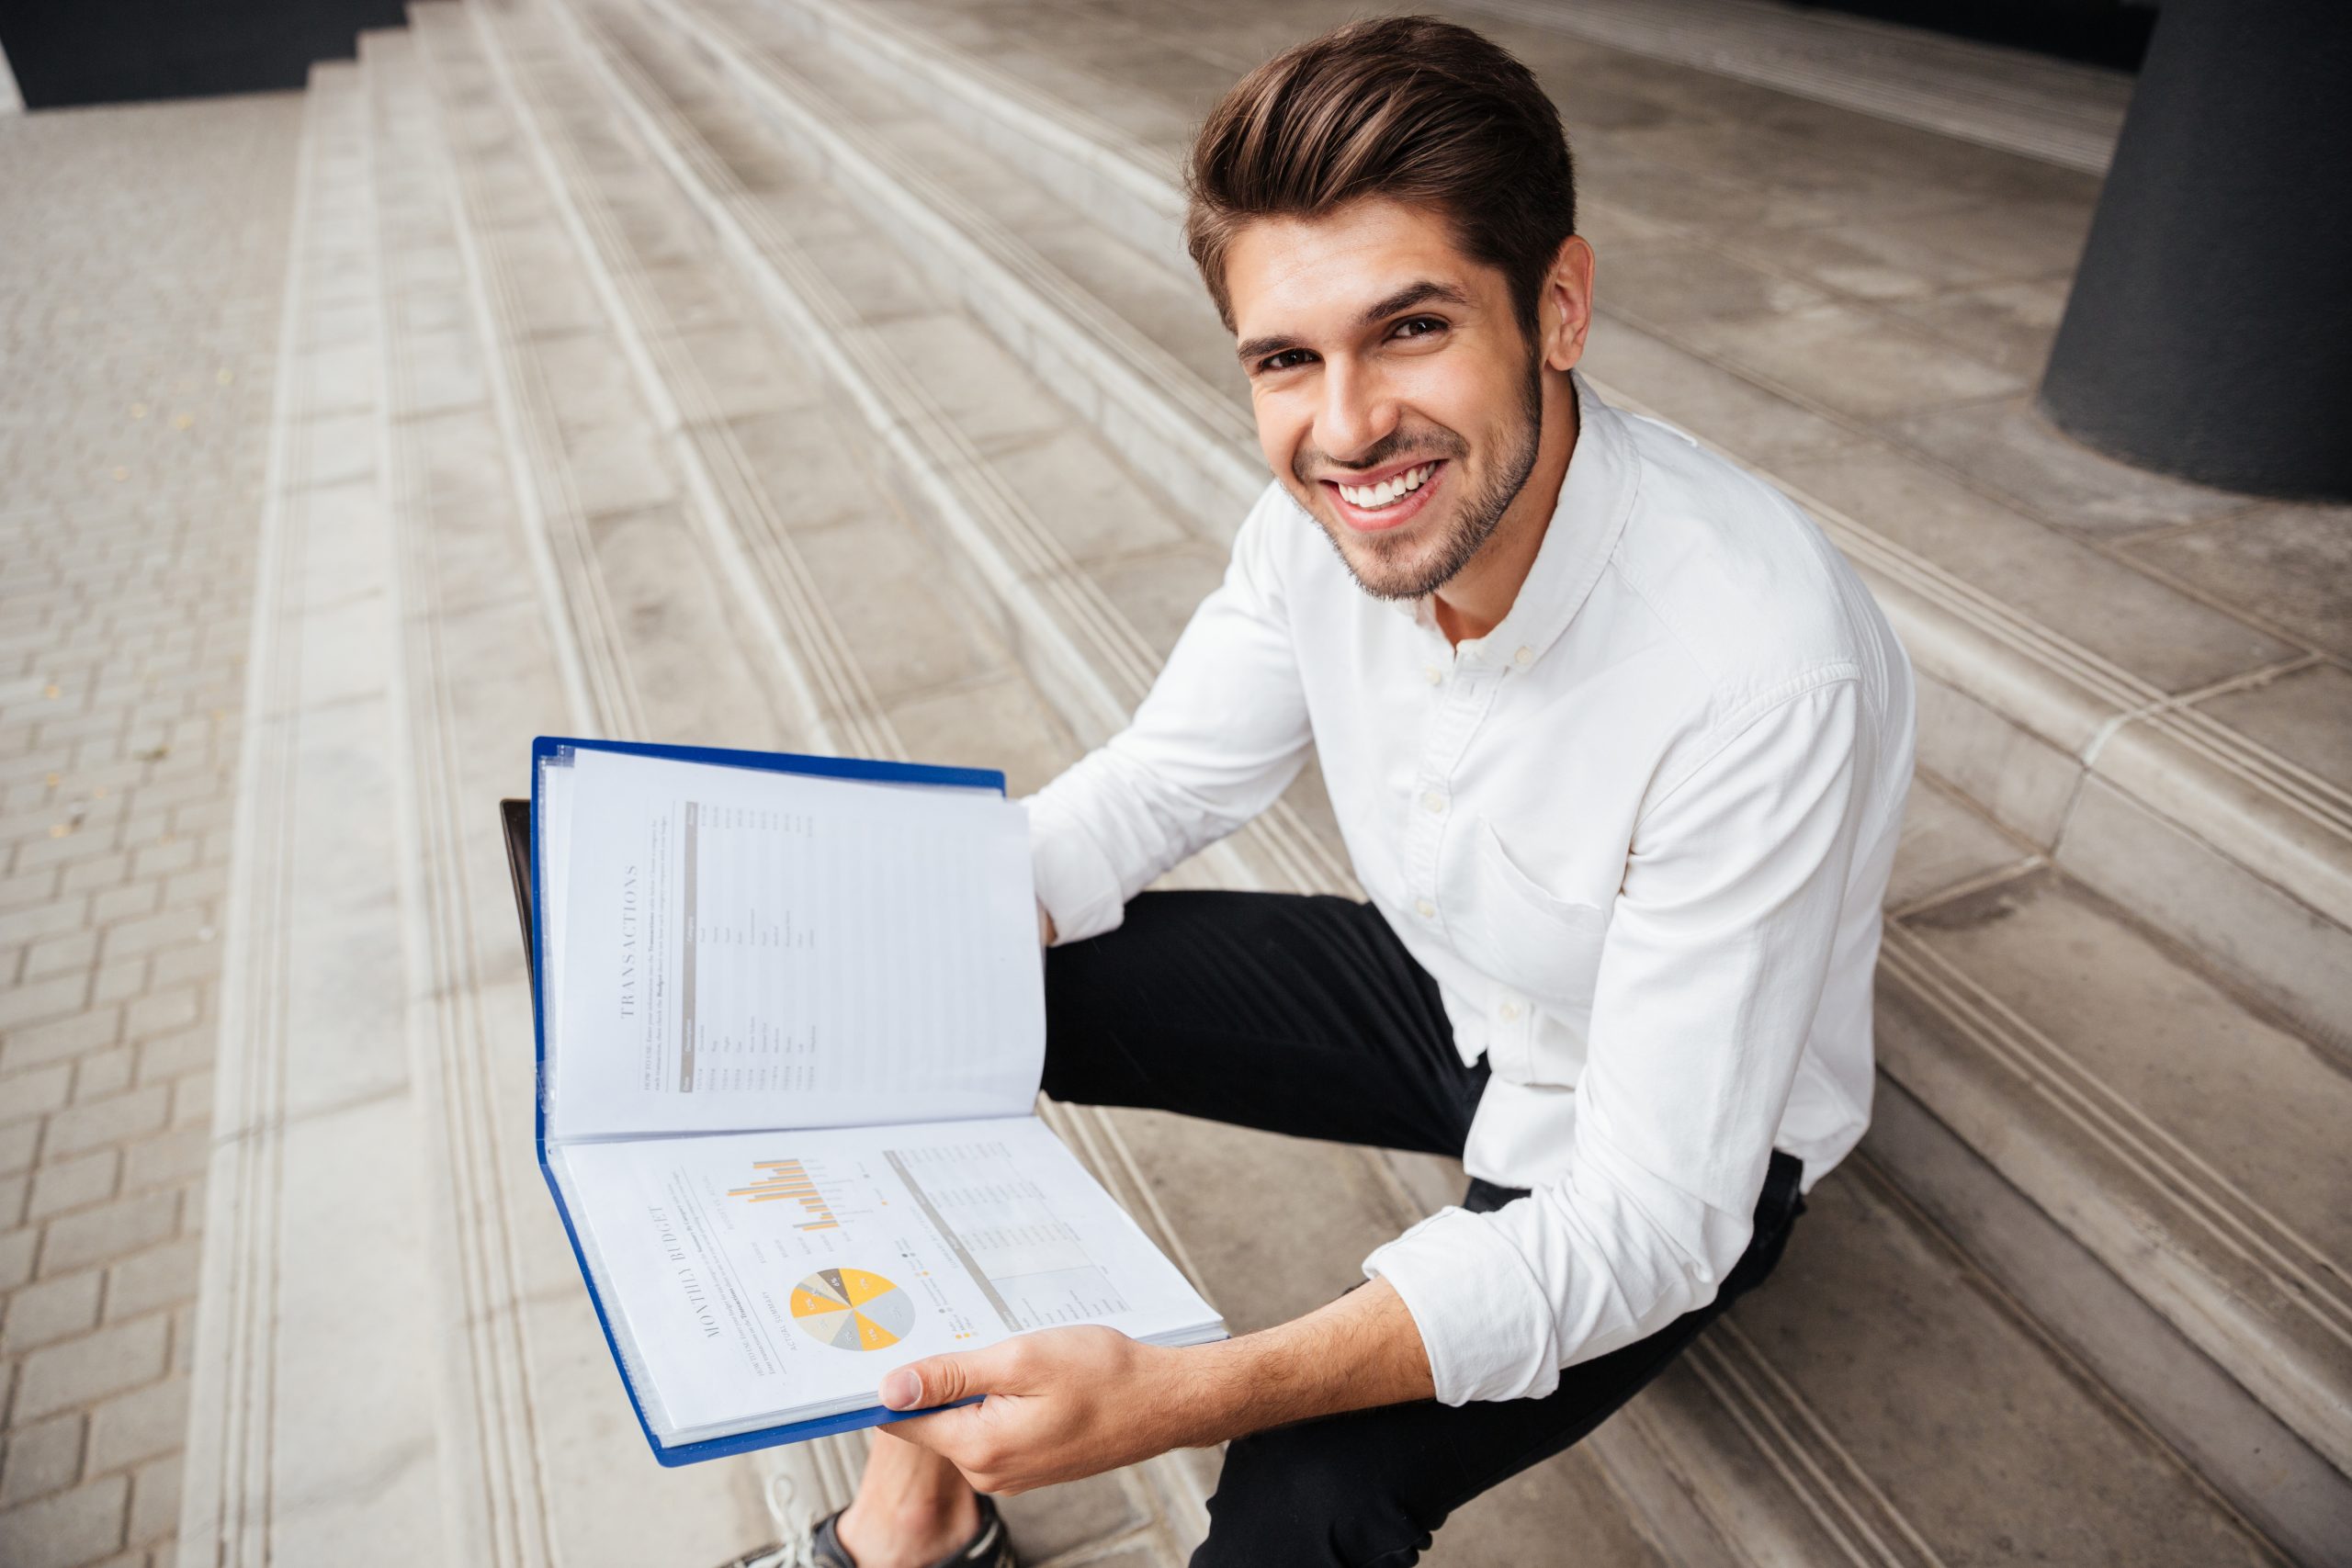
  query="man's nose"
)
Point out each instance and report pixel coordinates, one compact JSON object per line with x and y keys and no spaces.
{"x":1357,"y":413}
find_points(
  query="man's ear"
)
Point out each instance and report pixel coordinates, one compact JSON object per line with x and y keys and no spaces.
{"x":1566,"y":308}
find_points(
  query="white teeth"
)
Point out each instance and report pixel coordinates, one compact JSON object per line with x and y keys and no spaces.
{"x":1372,"y":498}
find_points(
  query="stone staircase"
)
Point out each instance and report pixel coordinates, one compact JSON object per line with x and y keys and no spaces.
{"x":826,"y":374}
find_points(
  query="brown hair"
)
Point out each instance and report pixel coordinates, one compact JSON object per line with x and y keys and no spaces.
{"x":1411,"y":108}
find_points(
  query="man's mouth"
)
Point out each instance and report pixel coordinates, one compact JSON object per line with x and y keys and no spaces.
{"x":1388,"y":499}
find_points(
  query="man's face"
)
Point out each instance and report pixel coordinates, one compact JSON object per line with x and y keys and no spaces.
{"x":1396,"y":396}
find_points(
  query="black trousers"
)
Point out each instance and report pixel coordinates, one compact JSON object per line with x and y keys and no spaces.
{"x":1305,"y":1015}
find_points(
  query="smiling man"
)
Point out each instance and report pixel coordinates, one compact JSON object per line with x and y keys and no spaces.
{"x":1618,"y":745}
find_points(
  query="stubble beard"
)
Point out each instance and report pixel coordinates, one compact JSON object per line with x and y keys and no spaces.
{"x":1385,"y":576}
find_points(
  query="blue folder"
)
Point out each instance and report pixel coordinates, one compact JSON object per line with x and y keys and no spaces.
{"x":522,"y":841}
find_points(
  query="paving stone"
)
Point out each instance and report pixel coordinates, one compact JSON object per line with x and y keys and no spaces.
{"x":125,"y":903}
{"x":172,"y":1056}
{"x":102,"y":1073}
{"x":42,"y":1458}
{"x":42,"y":1000}
{"x":29,"y":922}
{"x":115,"y":982}
{"x":67,"y":1530}
{"x":27,"y":888}
{"x":177,"y":1155}
{"x":30,"y":1092}
{"x":192,"y":1100}
{"x":51,"y":1310}
{"x":162,"y":1276}
{"x":72,"y":950}
{"x":198,"y":962}
{"x":84,"y":1371}
{"x":60,"y":1038}
{"x":138,"y":1425}
{"x":73,"y":1183}
{"x":130,"y":938}
{"x":163,"y":1013}
{"x":154,"y":1501}
{"x":107,"y":1120}
{"x":76,"y":1241}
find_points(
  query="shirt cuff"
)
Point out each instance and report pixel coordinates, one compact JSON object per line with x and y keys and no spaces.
{"x":1076,"y":881}
{"x":1485,"y":1320}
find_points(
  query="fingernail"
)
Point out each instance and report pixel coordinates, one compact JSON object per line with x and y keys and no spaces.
{"x":902,"y":1389}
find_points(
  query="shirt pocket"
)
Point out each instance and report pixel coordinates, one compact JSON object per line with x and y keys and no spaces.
{"x":1544,"y":947}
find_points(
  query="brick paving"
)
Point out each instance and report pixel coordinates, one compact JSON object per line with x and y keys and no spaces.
{"x":138,"y":302}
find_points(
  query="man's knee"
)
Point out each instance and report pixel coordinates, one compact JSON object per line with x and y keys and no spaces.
{"x":1076,"y":1019}
{"x":1307,"y":1496}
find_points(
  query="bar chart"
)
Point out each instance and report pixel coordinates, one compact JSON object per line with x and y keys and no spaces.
{"x":790,"y":1182}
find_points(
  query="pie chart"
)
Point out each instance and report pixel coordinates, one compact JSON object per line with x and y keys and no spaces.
{"x":852,"y":1310}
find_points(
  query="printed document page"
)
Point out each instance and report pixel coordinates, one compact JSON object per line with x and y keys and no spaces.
{"x":744,"y":949}
{"x":764,"y":1277}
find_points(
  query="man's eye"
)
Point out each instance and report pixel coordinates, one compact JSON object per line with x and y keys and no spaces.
{"x":1288,"y":359}
{"x":1419,"y":326}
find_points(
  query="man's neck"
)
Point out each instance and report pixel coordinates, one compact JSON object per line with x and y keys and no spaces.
{"x":1474,"y":600}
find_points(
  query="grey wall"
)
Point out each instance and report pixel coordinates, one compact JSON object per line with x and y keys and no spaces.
{"x":93,"y":51}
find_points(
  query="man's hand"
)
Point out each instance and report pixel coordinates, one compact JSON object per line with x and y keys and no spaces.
{"x":1045,"y":926}
{"x":1062,"y":1403}
{"x":1066,"y":1402}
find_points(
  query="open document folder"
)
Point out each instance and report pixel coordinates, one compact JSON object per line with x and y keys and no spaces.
{"x":791,"y":1024}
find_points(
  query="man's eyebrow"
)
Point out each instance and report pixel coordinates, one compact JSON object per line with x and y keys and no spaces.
{"x":1414,"y":293}
{"x":1258,"y":347}
{"x":1418,"y":293}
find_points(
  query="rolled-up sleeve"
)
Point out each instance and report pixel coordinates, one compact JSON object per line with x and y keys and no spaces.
{"x":1717,"y":950}
{"x":1221,"y":734}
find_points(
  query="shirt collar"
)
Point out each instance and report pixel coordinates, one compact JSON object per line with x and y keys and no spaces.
{"x":1596,"y":497}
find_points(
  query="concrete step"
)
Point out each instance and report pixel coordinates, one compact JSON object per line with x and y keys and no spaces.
{"x":395,"y":1354}
{"x":805,"y":498}
{"x":2048,"y":693}
{"x":315,"y":1117}
{"x":2056,"y":111}
{"x":1007,"y":234}
{"x":860,"y":309}
{"x":495,"y":481}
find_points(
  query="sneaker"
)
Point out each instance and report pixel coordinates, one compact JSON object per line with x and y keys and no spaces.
{"x":989,"y":1547}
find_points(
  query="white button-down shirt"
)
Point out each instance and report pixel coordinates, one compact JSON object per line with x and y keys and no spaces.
{"x":1639,"y":834}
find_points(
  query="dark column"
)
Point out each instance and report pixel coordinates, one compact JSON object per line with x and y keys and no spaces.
{"x":2210,"y":330}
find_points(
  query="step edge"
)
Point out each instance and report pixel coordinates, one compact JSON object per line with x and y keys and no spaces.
{"x":2199,"y":1409}
{"x":2171,"y":1270}
{"x":215,"y":1474}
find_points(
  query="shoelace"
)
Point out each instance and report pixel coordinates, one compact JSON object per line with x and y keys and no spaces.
{"x":799,"y":1528}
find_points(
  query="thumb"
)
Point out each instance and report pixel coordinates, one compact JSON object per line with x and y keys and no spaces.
{"x":935,"y":1380}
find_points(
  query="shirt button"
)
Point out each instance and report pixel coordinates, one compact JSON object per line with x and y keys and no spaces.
{"x":1524,"y":655}
{"x":1432,"y":801}
{"x":1424,"y":909}
{"x":1436,"y":676}
{"x":1508,"y":1011}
